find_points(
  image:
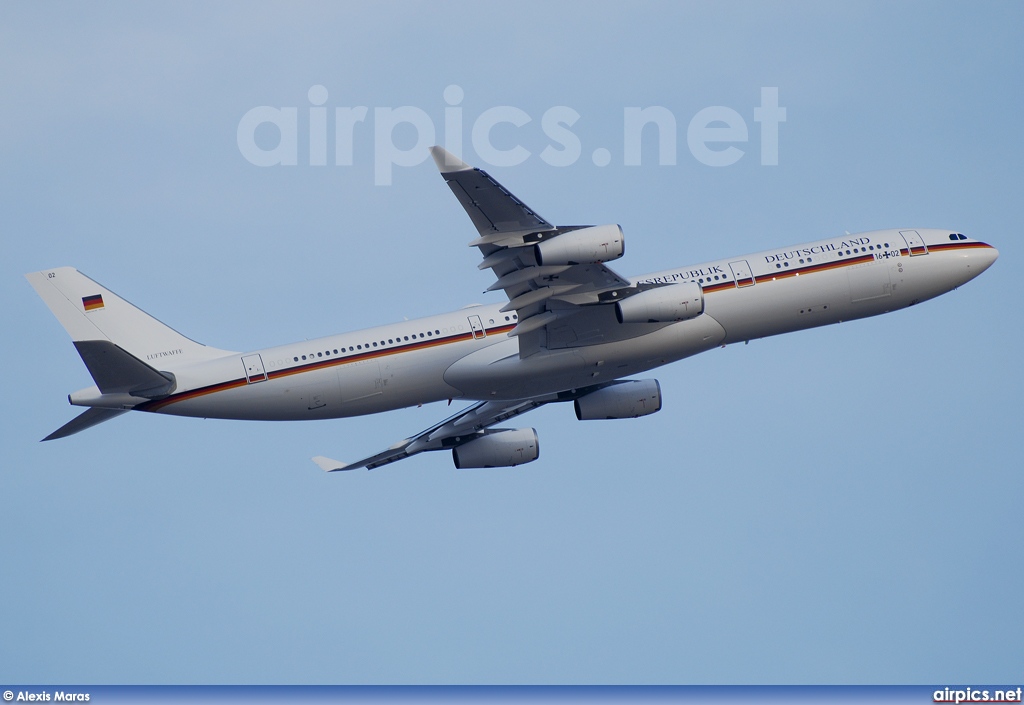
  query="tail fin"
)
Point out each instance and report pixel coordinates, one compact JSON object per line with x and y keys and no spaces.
{"x":91,"y":312}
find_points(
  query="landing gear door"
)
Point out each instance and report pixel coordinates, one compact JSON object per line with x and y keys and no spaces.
{"x":741,"y":273}
{"x":254,"y":371}
{"x":478,"y":327}
{"x":914,"y":242}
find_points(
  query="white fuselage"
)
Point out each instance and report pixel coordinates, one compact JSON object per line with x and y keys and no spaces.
{"x":468,"y":354}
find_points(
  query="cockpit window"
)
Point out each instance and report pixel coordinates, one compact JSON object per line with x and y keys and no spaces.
{"x":953,"y":236}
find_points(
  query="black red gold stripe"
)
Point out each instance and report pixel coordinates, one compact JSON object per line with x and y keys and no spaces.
{"x":721,"y":286}
{"x":92,"y":303}
{"x":158,"y":404}
{"x":858,"y":259}
{"x":947,"y":246}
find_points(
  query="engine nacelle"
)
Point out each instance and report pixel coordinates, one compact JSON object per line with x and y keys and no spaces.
{"x":601,"y":243}
{"x":678,"y":302}
{"x":498,"y":448}
{"x":625,"y":400}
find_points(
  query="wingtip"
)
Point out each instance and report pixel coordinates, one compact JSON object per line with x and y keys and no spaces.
{"x":446,"y":161}
{"x":328,"y":464}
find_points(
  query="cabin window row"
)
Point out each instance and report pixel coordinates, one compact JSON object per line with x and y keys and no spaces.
{"x":389,"y":341}
{"x":368,"y":346}
{"x":855,"y":250}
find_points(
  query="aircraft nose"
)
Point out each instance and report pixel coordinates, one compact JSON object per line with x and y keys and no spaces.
{"x":977,"y":259}
{"x":986,"y":257}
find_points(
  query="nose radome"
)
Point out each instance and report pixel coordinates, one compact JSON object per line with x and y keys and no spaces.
{"x":978,"y":259}
{"x":973,"y":260}
{"x":987,"y":256}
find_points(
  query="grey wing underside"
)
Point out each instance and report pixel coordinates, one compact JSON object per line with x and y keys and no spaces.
{"x":453,"y":431}
{"x":468,"y":424}
{"x":552,"y":303}
{"x":493,"y":210}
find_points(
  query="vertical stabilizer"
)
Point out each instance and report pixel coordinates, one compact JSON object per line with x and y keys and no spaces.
{"x":91,"y":312}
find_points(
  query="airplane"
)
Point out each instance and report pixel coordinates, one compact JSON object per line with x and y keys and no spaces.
{"x":572,"y":330}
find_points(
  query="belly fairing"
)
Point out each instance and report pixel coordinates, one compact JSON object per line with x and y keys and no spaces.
{"x":498,"y":372}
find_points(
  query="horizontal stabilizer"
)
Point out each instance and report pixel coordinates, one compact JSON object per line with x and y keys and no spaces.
{"x":85,"y":420}
{"x":116,"y":371}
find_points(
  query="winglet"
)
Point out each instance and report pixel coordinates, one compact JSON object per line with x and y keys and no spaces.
{"x":446,"y":161}
{"x":329,"y":465}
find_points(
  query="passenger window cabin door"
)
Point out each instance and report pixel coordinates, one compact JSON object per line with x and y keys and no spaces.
{"x":915,"y":243}
{"x":741,"y":273}
{"x":254,"y":371}
{"x":477,"y":326}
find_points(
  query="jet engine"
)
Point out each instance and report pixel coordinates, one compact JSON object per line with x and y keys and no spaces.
{"x":601,"y":243}
{"x":498,"y":448}
{"x":665,"y":304}
{"x":622,"y":400}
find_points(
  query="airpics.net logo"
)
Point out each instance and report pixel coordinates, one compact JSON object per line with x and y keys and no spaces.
{"x":716,"y":136}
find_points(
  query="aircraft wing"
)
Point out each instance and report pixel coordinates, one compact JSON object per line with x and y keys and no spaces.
{"x":544,"y":297}
{"x":453,"y":431}
{"x":460,"y":428}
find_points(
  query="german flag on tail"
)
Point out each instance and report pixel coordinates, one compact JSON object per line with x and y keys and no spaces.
{"x":92,"y":303}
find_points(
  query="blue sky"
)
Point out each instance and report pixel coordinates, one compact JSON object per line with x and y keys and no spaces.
{"x":839,"y":505}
